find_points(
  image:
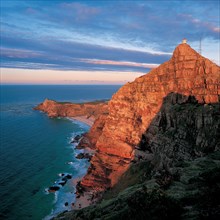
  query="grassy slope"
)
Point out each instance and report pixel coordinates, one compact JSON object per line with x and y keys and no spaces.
{"x":194,"y":194}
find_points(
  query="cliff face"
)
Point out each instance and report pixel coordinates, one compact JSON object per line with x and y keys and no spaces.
{"x":65,"y":109}
{"x":178,"y":174}
{"x":182,"y":130}
{"x":133,"y":108}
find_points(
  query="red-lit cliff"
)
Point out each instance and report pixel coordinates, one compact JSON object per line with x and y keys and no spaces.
{"x":133,"y":108}
{"x":66,"y":109}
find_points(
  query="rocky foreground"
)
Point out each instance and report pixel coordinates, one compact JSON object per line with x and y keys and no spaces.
{"x":157,"y":145}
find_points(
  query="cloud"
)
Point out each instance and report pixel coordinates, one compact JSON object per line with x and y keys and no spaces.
{"x":120,"y":63}
{"x":18,"y":53}
{"x":29,"y":65}
{"x":135,"y":26}
{"x":52,"y":53}
{"x":199,"y":23}
{"x":106,"y":35}
{"x":216,"y":29}
{"x":81,"y":11}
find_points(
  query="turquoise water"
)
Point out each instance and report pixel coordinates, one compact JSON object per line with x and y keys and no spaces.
{"x":35,"y":149}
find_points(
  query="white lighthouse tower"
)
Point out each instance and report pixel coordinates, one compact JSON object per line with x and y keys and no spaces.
{"x":184,"y":41}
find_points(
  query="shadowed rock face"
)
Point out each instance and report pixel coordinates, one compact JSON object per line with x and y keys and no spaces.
{"x":182,"y":130}
{"x":135,"y":105}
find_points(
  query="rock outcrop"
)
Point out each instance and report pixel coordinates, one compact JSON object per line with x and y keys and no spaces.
{"x":136,"y":105}
{"x":66,"y":109}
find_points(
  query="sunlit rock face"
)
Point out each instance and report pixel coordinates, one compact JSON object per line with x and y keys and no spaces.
{"x":133,"y":108}
{"x":66,"y":109}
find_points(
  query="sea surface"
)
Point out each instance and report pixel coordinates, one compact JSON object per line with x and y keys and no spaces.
{"x":35,"y":149}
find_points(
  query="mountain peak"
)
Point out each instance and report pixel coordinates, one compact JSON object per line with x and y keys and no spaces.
{"x":184,"y":52}
{"x":131,"y":110}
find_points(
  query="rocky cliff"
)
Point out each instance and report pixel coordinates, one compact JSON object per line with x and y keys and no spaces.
{"x":176,"y":169}
{"x":137,"y":105}
{"x":157,"y":143}
{"x":182,"y":130}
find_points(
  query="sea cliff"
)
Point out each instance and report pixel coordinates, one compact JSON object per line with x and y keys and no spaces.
{"x":132,"y":109}
{"x":175,"y":171}
{"x":158,"y":135}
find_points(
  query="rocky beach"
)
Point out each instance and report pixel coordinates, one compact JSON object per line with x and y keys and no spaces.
{"x":89,"y":121}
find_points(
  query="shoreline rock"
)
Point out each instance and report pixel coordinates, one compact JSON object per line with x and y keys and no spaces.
{"x":60,"y":183}
{"x":53,"y":188}
{"x":84,"y":156}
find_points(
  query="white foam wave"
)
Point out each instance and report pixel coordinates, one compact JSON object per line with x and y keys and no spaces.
{"x":55,"y":197}
{"x":79,"y":168}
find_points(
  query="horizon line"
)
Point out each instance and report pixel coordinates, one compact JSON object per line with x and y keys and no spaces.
{"x":8,"y":84}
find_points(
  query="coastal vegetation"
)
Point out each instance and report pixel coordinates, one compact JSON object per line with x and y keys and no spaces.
{"x":193,"y":194}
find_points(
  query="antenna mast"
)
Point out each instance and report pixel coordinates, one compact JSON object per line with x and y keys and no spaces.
{"x":200,"y":45}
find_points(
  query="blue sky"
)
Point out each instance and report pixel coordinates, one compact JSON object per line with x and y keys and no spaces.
{"x":92,"y":38}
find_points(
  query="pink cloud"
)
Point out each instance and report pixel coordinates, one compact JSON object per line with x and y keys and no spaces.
{"x":16,"y":53}
{"x":198,"y":22}
{"x":216,"y":29}
{"x":120,"y":63}
{"x":83,"y":12}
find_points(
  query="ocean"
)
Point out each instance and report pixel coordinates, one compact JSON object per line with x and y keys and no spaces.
{"x":35,"y":149}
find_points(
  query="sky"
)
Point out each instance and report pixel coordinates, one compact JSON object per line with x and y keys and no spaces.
{"x":100,"y":42}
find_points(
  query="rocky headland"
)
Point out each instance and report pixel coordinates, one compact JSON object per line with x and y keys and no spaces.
{"x":67,"y":109}
{"x":157,"y":145}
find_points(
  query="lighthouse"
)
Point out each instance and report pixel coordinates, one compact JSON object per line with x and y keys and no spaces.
{"x":184,"y":41}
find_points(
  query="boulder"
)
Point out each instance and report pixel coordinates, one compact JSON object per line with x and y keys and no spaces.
{"x":53,"y":188}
